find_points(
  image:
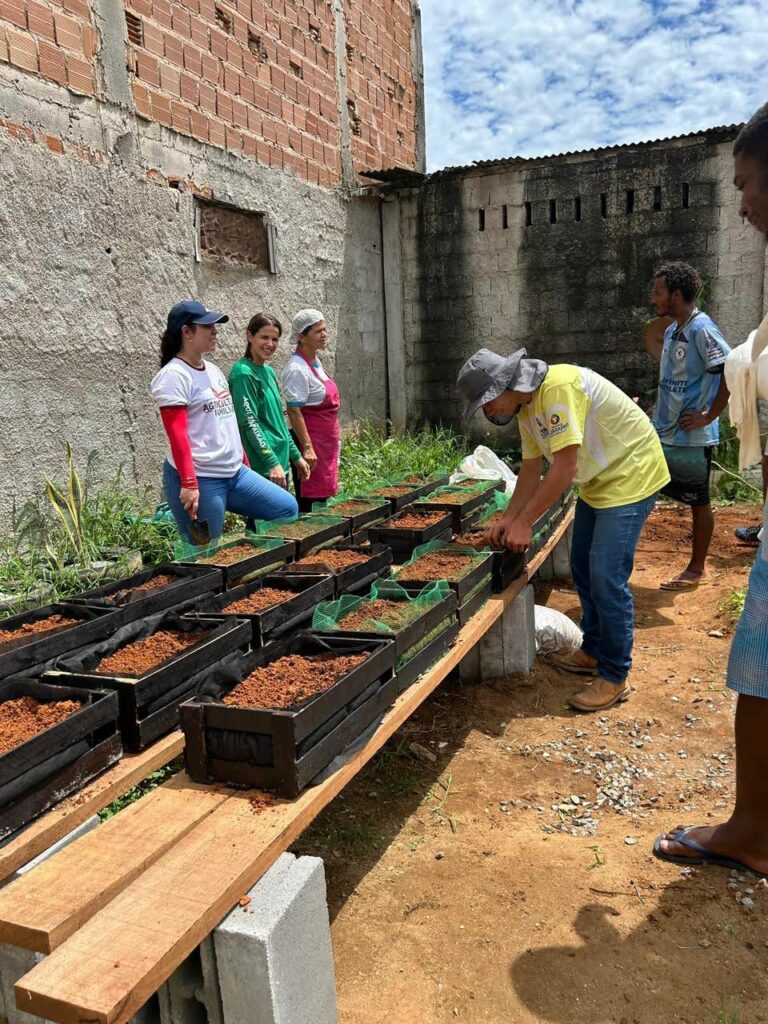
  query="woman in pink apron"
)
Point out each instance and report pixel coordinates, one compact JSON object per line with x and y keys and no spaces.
{"x":312,"y":399}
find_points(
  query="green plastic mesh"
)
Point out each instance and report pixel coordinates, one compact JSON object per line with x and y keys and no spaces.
{"x":184,"y":552}
{"x":295,"y":529}
{"x":329,"y":614}
{"x":433,"y":634}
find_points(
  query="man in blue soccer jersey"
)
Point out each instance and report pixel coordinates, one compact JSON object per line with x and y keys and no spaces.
{"x":692,"y":394}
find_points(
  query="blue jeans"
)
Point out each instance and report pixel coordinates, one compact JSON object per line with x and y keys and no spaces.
{"x":246,"y":493}
{"x":602,"y":556}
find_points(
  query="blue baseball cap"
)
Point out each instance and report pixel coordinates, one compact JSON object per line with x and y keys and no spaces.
{"x":192,"y":312}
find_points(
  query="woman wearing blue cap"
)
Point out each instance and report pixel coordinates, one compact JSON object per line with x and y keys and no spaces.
{"x":206,"y":473}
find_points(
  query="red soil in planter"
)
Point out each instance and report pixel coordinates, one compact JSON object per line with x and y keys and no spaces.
{"x":415,"y":520}
{"x":396,"y":491}
{"x":142,"y":655}
{"x":230,"y":555}
{"x":455,"y":498}
{"x":437,"y":565}
{"x":473,"y":539}
{"x":259,"y":601}
{"x":298,"y":530}
{"x":24,"y":717}
{"x":353,"y":508}
{"x":335,"y":560}
{"x":395,"y":614}
{"x":153,"y":584}
{"x":39,"y":628}
{"x":291,"y":680}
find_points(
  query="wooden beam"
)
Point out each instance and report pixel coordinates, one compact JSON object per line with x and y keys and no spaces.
{"x":108,"y":969}
{"x":43,"y":907}
{"x":59,"y":822}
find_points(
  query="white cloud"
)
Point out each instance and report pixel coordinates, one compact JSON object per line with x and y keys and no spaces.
{"x":515,"y":78}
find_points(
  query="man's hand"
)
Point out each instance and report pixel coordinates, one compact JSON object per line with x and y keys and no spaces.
{"x":495,"y":535}
{"x":517,"y":536}
{"x":190,"y":499}
{"x":277,"y":476}
{"x":302,"y":468}
{"x":693,"y":419}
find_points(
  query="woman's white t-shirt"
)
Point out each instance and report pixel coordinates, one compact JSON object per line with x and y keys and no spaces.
{"x":212,"y":425}
{"x":300,"y":385}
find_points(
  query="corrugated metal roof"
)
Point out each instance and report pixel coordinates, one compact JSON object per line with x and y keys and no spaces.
{"x":721,"y":133}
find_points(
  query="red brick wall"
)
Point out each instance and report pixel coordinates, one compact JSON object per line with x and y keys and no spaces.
{"x":256,"y":77}
{"x":52,"y":38}
{"x":380,"y":84}
{"x":264,"y":84}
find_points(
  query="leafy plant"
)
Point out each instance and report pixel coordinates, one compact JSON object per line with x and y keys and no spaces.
{"x":733,"y":604}
{"x":152,"y":781}
{"x":731,"y":485}
{"x":367,"y":455}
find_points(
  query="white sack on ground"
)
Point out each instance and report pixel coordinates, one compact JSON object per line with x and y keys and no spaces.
{"x":555,"y":631}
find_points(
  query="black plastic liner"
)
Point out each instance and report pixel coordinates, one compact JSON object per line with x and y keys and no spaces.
{"x":192,"y":581}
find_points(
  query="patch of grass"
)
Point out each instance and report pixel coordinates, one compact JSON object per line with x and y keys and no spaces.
{"x":731,"y":485}
{"x":733,"y":604}
{"x":152,"y":781}
{"x":368,"y":456}
{"x":729,"y":1017}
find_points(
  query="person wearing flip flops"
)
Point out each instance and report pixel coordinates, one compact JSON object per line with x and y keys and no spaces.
{"x":593,"y":435}
{"x":741,"y":842}
{"x":692,"y":394}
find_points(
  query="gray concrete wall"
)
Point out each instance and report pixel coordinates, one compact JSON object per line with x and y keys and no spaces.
{"x":570,"y":291}
{"x":97,"y":247}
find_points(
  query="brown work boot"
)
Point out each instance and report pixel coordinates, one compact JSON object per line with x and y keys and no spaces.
{"x":599,"y":695}
{"x":575,"y":661}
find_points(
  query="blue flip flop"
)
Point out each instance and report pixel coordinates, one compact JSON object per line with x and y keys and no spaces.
{"x":706,"y":857}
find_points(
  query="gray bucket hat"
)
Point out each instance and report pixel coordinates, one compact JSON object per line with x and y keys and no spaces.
{"x":485,"y":375}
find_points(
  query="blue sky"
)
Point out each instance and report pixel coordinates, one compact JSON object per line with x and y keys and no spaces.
{"x":532,"y":77}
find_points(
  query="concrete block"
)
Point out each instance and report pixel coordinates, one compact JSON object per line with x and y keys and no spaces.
{"x":558,"y":563}
{"x":508,"y":647}
{"x":274,"y":956}
{"x":191,"y":994}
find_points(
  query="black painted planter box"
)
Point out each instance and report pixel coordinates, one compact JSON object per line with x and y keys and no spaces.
{"x":149,"y":703}
{"x":283,"y":750}
{"x":303,"y":594}
{"x":409,"y":670}
{"x":430,"y":480}
{"x":403,"y":540}
{"x":353,"y":579}
{"x":365,"y":511}
{"x":327,"y":528}
{"x":21,"y":655}
{"x":415,"y":630}
{"x":60,"y":760}
{"x":463,"y":586}
{"x":459,"y":511}
{"x":268,"y":555}
{"x":192,"y":581}
{"x":396,"y":500}
{"x":475,"y":601}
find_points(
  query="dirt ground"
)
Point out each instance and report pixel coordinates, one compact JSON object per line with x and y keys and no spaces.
{"x":512,"y":880}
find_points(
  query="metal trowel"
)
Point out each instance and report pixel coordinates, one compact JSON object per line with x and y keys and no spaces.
{"x":200,"y":532}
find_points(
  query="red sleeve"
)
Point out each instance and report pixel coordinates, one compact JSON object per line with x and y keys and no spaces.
{"x":174,"y":419}
{"x":245,"y":460}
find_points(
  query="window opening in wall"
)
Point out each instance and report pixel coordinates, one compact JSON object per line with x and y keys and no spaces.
{"x":135,"y":29}
{"x":630,"y":201}
{"x":657,"y":198}
{"x":227,"y":232}
{"x":577,"y":207}
{"x":504,"y":217}
{"x":481,"y":219}
{"x":603,"y":204}
{"x":296,"y":69}
{"x":256,"y":46}
{"x":686,"y":195}
{"x":355,"y":122}
{"x":553,"y":211}
{"x":224,"y":20}
{"x":528,"y":215}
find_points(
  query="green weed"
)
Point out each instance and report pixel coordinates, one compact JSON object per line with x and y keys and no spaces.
{"x":367,"y":456}
{"x":733,"y":604}
{"x":152,"y":781}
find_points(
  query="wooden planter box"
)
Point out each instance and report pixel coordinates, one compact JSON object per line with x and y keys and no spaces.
{"x":326,"y":529}
{"x":403,"y":540}
{"x":361,"y":512}
{"x":149,"y":703}
{"x":474,"y":601}
{"x":412,"y":655}
{"x":21,"y":655}
{"x":398,"y":501}
{"x":356,"y":577}
{"x":268,"y":555}
{"x":284,"y":750}
{"x":459,"y":510}
{"x":60,"y":760}
{"x":191,"y":581}
{"x":303,"y":593}
{"x":466,"y":584}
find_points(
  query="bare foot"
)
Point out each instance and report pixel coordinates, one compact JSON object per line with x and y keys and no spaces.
{"x":726,"y":840}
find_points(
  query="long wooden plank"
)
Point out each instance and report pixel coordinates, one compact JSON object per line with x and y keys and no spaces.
{"x":108,"y":969}
{"x":59,"y":822}
{"x":42,"y":908}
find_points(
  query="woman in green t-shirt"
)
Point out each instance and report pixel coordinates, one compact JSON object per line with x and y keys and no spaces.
{"x":259,"y":407}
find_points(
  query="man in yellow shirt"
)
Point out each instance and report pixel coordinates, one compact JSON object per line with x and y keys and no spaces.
{"x":593,"y":435}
